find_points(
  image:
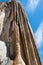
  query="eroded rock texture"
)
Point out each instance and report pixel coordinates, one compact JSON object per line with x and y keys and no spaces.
{"x":20,"y":35}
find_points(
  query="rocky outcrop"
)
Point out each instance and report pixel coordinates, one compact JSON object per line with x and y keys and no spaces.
{"x":19,"y":33}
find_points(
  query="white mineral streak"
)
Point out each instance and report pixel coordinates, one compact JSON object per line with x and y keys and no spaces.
{"x":2,"y":16}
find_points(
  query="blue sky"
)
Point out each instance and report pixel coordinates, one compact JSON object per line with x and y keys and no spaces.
{"x":34,"y":12}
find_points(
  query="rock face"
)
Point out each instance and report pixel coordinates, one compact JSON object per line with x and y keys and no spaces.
{"x":19,"y":31}
{"x":25,"y":38}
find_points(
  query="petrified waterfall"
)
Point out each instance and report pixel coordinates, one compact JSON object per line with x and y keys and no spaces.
{"x":19,"y":33}
{"x":25,"y":38}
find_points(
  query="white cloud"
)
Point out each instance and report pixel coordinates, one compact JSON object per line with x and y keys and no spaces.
{"x":39,"y":35}
{"x":32,"y":4}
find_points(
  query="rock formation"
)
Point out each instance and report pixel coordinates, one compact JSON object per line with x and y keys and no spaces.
{"x":19,"y":33}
